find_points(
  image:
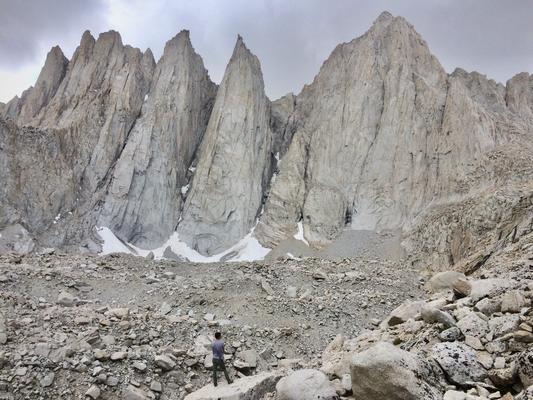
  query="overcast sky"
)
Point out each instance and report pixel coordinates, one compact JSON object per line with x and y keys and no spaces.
{"x":291,"y":37}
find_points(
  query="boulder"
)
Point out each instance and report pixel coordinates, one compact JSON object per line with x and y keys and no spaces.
{"x":433,"y":315}
{"x":306,"y":384}
{"x":253,"y":387}
{"x":503,"y":325}
{"x":444,"y":281}
{"x":388,"y":372}
{"x":459,"y":362}
{"x":402,"y":313}
{"x":513,"y":302}
{"x":525,"y":367}
{"x":473,"y":325}
{"x":505,"y":376}
{"x":489,"y":287}
{"x":133,"y":393}
{"x":488,"y":306}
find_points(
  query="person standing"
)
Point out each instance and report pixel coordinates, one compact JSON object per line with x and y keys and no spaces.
{"x":218,"y":358}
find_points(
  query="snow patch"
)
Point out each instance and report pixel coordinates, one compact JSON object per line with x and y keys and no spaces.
{"x":145,"y":97}
{"x":184,"y":189}
{"x":111,"y":244}
{"x":293,"y":257}
{"x":247,"y":249}
{"x":300,"y":234}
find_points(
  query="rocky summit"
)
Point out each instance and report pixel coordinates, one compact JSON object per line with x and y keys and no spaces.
{"x":379,"y":226}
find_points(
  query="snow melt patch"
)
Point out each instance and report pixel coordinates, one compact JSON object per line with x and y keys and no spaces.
{"x":111,"y":244}
{"x":300,"y":234}
{"x":247,"y":249}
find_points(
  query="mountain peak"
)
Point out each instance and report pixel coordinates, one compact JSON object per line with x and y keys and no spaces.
{"x":110,"y":37}
{"x":180,"y":41}
{"x":384,"y":17}
{"x":87,"y":40}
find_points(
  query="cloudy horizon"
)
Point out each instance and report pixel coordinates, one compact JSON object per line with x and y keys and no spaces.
{"x":291,"y":39}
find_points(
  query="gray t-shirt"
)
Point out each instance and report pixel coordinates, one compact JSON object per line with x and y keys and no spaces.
{"x":218,"y":349}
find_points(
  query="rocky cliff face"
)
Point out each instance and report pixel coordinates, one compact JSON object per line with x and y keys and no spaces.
{"x":383,"y":138}
{"x":151,"y":175}
{"x":383,"y":133}
{"x":234,"y":161}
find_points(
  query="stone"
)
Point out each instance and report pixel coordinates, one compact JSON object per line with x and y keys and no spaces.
{"x":454,"y":395}
{"x":433,"y":315}
{"x":66,"y":299}
{"x":458,"y":362}
{"x":523,"y":336}
{"x":47,"y":380}
{"x":249,"y":357}
{"x":306,"y":384}
{"x":165,"y":362}
{"x":474,"y":342}
{"x":121,"y":312}
{"x":387,"y":372}
{"x":489,"y":288}
{"x":513,"y":301}
{"x":118,"y":355}
{"x":133,"y":393}
{"x":165,"y":308}
{"x":503,"y":377}
{"x":292,"y":292}
{"x":450,"y":335}
{"x":93,"y":392}
{"x":503,"y":325}
{"x":156,"y":386}
{"x":473,"y":325}
{"x":266,"y":287}
{"x":139,"y":366}
{"x":525,"y":367}
{"x":253,"y":387}
{"x":488,"y":306}
{"x":462,"y":287}
{"x":408,"y":310}
{"x":444,"y":280}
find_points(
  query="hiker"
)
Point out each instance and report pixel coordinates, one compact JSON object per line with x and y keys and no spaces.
{"x":218,"y":358}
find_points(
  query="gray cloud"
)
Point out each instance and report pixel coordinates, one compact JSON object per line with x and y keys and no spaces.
{"x":26,"y":26}
{"x":291,"y":38}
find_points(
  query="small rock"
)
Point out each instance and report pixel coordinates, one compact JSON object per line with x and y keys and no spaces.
{"x":66,"y":299}
{"x":93,"y":392}
{"x":156,"y":386}
{"x":164,"y":362}
{"x":47,"y":380}
{"x":118,"y":355}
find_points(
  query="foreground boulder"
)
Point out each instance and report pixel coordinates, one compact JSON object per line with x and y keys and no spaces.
{"x":388,"y":372}
{"x":306,"y":384}
{"x":250,"y":388}
{"x":459,"y":362}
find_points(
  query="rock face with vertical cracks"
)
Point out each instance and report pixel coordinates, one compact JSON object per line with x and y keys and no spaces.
{"x":383,"y":138}
{"x":234,"y":161}
{"x":383,"y":133}
{"x":145,"y":194}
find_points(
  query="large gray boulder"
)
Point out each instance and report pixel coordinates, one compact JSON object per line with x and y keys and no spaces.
{"x":459,"y":362}
{"x":386,"y":372}
{"x":253,"y":387}
{"x":306,"y":384}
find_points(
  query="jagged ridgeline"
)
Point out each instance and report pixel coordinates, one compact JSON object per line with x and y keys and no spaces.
{"x":382,"y":139}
